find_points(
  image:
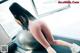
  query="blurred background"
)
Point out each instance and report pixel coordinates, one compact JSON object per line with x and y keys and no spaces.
{"x":65,"y":23}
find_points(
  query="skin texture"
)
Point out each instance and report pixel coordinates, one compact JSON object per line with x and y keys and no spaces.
{"x":40,"y":28}
{"x":36,"y":30}
{"x":43,"y":35}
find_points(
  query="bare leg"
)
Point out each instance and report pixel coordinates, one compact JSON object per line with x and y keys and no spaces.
{"x":74,"y":47}
{"x":50,"y":39}
{"x":62,"y":43}
{"x":38,"y":35}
